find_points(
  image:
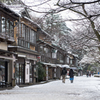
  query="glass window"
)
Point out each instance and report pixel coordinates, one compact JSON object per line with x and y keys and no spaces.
{"x":70,"y":61}
{"x":20,"y":30}
{"x":19,"y":73}
{"x":2,"y":71}
{"x":67,"y":59}
{"x":19,"y":42}
{"x":11,"y":28}
{"x":0,"y":23}
{"x":31,"y":74}
{"x":28,"y":34}
{"x":41,"y":49}
{"x":32,"y":36}
{"x":3,"y":25}
{"x":28,"y":45}
{"x":22,"y":43}
{"x":23,"y":31}
{"x":45,"y":50}
{"x":61,"y":57}
{"x":7,"y":26}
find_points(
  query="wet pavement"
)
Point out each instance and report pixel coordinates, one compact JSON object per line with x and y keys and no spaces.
{"x":83,"y":88}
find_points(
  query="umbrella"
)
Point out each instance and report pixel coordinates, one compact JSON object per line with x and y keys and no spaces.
{"x":67,"y":66}
{"x":2,"y":66}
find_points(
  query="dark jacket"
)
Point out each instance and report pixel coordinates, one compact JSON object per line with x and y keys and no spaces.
{"x":71,"y":73}
{"x":64,"y":71}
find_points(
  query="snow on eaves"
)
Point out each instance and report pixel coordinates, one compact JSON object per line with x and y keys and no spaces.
{"x":18,"y":9}
{"x":5,"y":6}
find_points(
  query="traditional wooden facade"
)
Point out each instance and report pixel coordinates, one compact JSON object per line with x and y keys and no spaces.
{"x":45,"y":48}
{"x":25,"y":47}
{"x":7,"y":58}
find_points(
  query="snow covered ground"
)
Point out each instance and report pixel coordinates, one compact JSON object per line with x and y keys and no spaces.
{"x":83,"y":88}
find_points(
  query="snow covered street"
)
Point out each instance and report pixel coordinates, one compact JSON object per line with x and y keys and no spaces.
{"x":83,"y":88}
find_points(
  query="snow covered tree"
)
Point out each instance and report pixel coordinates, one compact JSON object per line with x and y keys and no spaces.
{"x":56,"y":27}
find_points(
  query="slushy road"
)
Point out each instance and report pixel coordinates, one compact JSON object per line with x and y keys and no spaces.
{"x":83,"y":88}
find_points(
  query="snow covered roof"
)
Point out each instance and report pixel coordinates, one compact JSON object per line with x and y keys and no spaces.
{"x":44,"y":43}
{"x":59,"y":65}
{"x":52,"y":65}
{"x":73,"y":68}
{"x":3,"y":5}
{"x":16,"y":8}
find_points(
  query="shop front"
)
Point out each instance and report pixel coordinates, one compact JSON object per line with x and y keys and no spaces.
{"x":50,"y":70}
{"x":20,"y":70}
{"x":25,"y":70}
{"x":7,"y":60}
{"x":3,"y":71}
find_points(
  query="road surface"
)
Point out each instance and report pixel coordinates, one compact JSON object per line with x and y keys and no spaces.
{"x":83,"y":88}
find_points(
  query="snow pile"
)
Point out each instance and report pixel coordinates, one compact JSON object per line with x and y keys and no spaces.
{"x":16,"y":87}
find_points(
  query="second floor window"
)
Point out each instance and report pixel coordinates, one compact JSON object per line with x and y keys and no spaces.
{"x":61,"y":58}
{"x":23,"y":43}
{"x":6,"y":26}
{"x":3,"y":28}
{"x":68,"y":60}
{"x":28,"y":34}
{"x":32,"y":37}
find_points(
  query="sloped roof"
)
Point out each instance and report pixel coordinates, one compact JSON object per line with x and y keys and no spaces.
{"x":3,"y":6}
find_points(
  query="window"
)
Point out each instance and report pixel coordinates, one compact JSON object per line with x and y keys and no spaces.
{"x":2,"y":71}
{"x":27,"y":33}
{"x":70,"y":61}
{"x":0,"y":23}
{"x":22,"y":43}
{"x":23,"y":31}
{"x":7,"y":26}
{"x":32,"y":36}
{"x":28,"y":45}
{"x":41,"y":49}
{"x":67,"y":59}
{"x":19,"y":42}
{"x":45,"y":50}
{"x":61,"y":58}
{"x":3,"y":25}
{"x":20,"y":30}
{"x":11,"y":28}
{"x":54,"y":53}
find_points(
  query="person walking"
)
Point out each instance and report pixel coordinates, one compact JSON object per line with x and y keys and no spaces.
{"x":87,"y":73}
{"x":71,"y":74}
{"x":63,"y":74}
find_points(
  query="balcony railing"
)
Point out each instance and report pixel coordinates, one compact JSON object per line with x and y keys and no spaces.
{"x":8,"y":37}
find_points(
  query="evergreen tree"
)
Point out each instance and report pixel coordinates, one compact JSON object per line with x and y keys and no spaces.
{"x":41,"y":72}
{"x":56,"y":27}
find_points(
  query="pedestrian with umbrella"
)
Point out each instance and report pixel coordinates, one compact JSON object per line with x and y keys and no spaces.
{"x":63,"y":73}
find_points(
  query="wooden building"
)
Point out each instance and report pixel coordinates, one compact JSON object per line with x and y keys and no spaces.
{"x":25,"y":47}
{"x":7,"y":58}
